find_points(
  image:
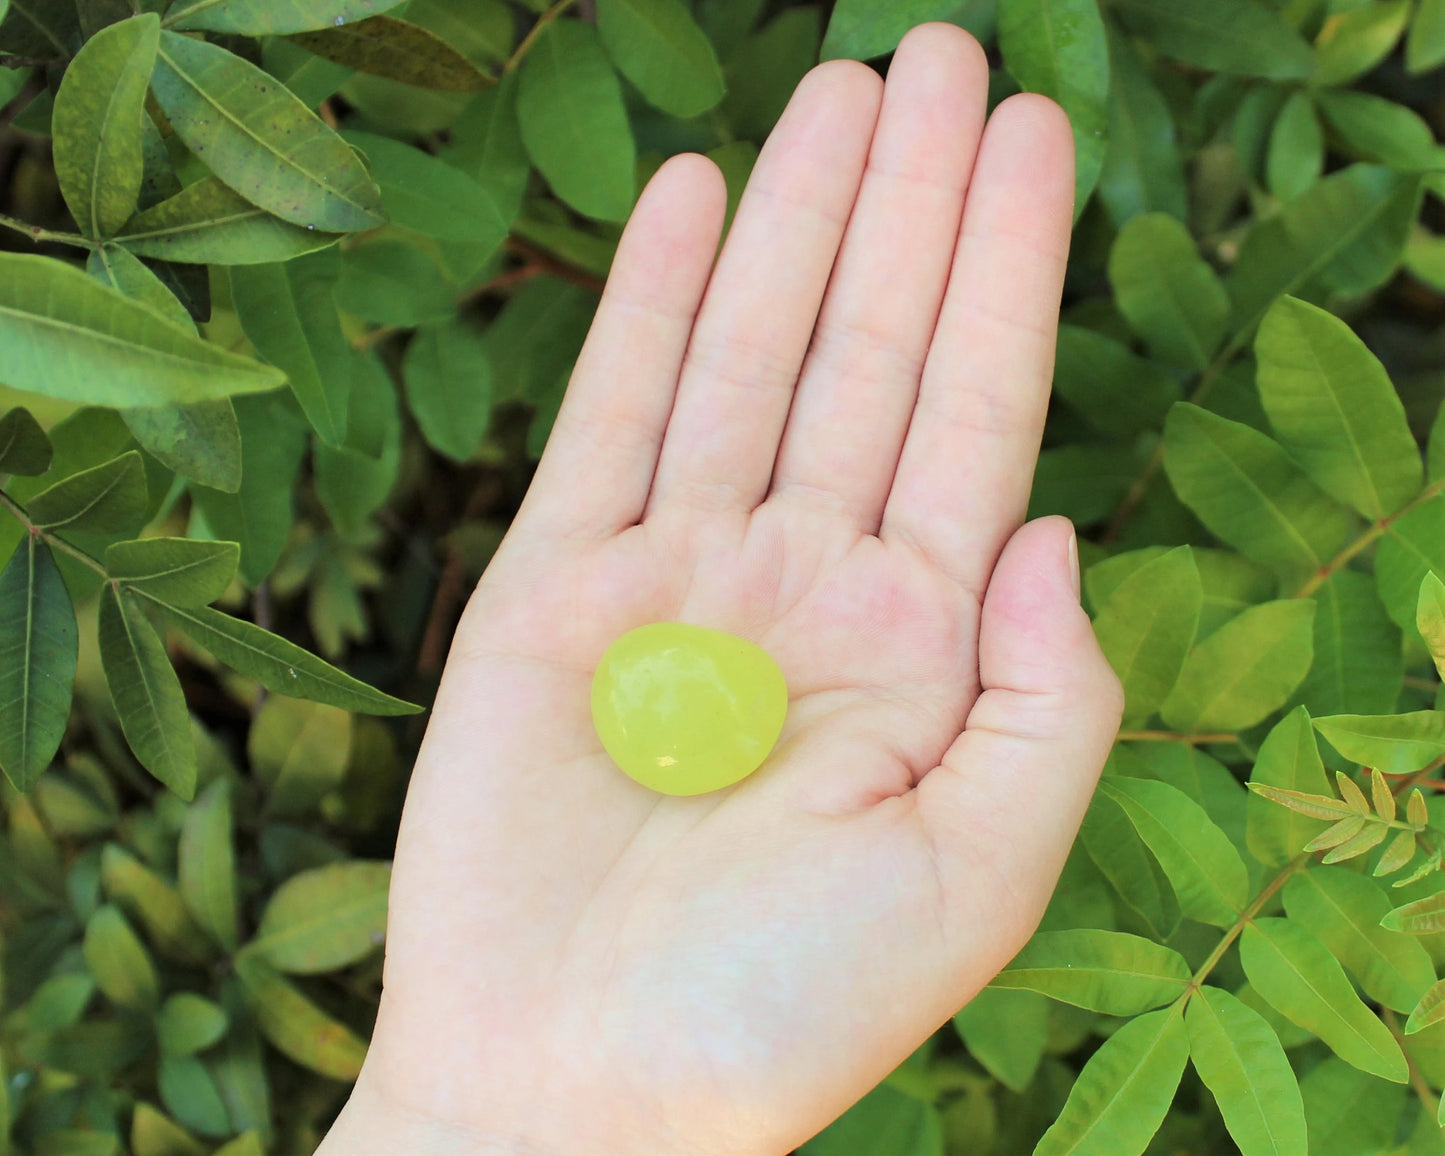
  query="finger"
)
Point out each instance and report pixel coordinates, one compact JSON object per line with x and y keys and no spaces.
{"x":762,"y":302}
{"x":860,"y":379}
{"x":963,"y":478}
{"x":612,"y":419}
{"x":1020,"y":776}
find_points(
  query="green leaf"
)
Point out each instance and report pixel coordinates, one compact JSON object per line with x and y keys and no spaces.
{"x":1412,"y":546}
{"x":1147,"y":627}
{"x":201,"y":442}
{"x":1006,"y":1032}
{"x":326,"y":919}
{"x":65,"y":336}
{"x":300,"y":1029}
{"x":658,"y":46}
{"x":448,"y":378}
{"x":1296,"y":148}
{"x":147,"y":694}
{"x":885,"y":1122}
{"x":762,"y":74}
{"x":210,"y":223}
{"x":1245,"y":670}
{"x":97,"y":124}
{"x":119,"y":961}
{"x":1430,"y":618}
{"x":1344,"y":909}
{"x":181,"y":571}
{"x":207,"y":864}
{"x":1289,"y":758}
{"x":247,"y":1145}
{"x":1124,"y":1091}
{"x":269,"y":17}
{"x":397,"y":51}
{"x":1422,"y":917}
{"x":352,"y":481}
{"x":154,"y":1134}
{"x":1431,"y":1010}
{"x":289,"y":315}
{"x":1239,"y":1058}
{"x":573,"y":121}
{"x":188,"y":1023}
{"x":1103,"y":971}
{"x":261,"y":140}
{"x":108,"y":498}
{"x":24,"y":448}
{"x":1425,"y":47}
{"x":1351,"y":43}
{"x":1169,"y":295}
{"x":1349,"y":1112}
{"x":1143,"y":169}
{"x":1397,"y":744}
{"x":299,"y":751}
{"x":39,"y":643}
{"x":1358,"y":664}
{"x":1208,"y":876}
{"x":190,"y":1094}
{"x":152,"y":901}
{"x":1333,"y":408}
{"x":1301,"y":980}
{"x":1115,"y":391}
{"x":122,"y":271}
{"x":1117,"y":851}
{"x":486,"y":144}
{"x":864,"y":29}
{"x":1371,"y":128}
{"x":394,"y":282}
{"x":277,"y":664}
{"x":1243,"y":37}
{"x":1245,"y":488}
{"x":1059,"y":48}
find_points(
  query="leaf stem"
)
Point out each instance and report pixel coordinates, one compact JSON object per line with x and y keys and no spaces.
{"x":1364,"y":541}
{"x":531,"y":38}
{"x":1246,"y":917}
{"x":1417,"y":1081}
{"x":1176,"y":737}
{"x":39,"y":235}
{"x":17,"y":511}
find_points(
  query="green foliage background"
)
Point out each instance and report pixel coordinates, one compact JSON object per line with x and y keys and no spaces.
{"x":289,"y":297}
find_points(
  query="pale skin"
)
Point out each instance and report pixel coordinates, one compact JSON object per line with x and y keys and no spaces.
{"x":821,"y":439}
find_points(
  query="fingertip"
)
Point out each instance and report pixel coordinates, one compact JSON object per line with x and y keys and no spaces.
{"x":940,"y":37}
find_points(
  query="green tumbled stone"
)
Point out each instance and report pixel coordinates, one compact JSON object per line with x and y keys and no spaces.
{"x":685,"y":709}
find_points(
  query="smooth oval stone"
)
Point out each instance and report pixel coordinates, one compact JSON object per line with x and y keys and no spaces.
{"x":685,"y":709}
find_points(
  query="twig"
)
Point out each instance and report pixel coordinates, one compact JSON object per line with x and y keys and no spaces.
{"x":438,"y":632}
{"x":1368,"y":538}
{"x":531,"y":38}
{"x":1176,"y":737}
{"x":550,"y":264}
{"x":39,"y":235}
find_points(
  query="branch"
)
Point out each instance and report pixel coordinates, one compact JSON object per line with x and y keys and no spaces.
{"x":531,"y":38}
{"x":1365,"y":540}
{"x":1176,"y":737}
{"x":39,"y":235}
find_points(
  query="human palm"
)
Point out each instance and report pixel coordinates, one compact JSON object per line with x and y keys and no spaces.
{"x":823,"y":443}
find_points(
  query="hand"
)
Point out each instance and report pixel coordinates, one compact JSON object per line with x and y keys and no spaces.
{"x":824,"y":444}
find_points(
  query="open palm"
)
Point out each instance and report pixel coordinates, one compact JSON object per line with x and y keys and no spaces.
{"x":824,"y":443}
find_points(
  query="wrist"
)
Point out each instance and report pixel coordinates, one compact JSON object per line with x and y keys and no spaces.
{"x":371,"y":1124}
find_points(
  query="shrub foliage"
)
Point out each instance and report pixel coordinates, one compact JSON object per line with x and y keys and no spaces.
{"x":290,"y":295}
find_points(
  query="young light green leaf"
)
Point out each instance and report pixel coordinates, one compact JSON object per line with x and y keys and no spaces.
{"x":1333,"y":408}
{"x":1422,"y":917}
{"x":1239,"y":1058}
{"x":1353,"y":42}
{"x":1341,"y":832}
{"x":447,"y":372}
{"x":188,"y":1023}
{"x":1105,"y":971}
{"x":1289,"y":762}
{"x":1309,"y":805}
{"x":1400,"y":851}
{"x":154,"y":1134}
{"x":180,"y":571}
{"x":107,"y":498}
{"x":1299,"y":977}
{"x":261,"y":140}
{"x":39,"y":642}
{"x":326,"y":919}
{"x":300,"y":752}
{"x":1237,"y":36}
{"x":119,"y":962}
{"x":97,"y":124}
{"x":155,"y":904}
{"x":277,"y":664}
{"x":269,"y":17}
{"x":574,"y":124}
{"x":24,"y":448}
{"x":1168,"y":293}
{"x":1244,"y":670}
{"x":1208,"y":876}
{"x":247,"y":1145}
{"x":658,"y":46}
{"x":1244,"y":487}
{"x":1344,"y":909}
{"x":1431,"y":1010}
{"x":207,"y":864}
{"x":1429,"y":616}
{"x":147,"y":694}
{"x":1397,"y":744}
{"x":1124,"y":1091}
{"x":1006,"y":1032}
{"x":295,"y":1025}
{"x":397,"y":50}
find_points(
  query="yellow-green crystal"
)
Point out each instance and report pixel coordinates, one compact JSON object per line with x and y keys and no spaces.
{"x":686,"y":709}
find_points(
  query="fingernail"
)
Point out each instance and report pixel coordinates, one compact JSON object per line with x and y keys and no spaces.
{"x":1074,"y":562}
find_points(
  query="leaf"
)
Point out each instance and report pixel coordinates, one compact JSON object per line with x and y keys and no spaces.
{"x":1296,"y":156}
{"x":1233,"y":36}
{"x":762,"y":74}
{"x":39,"y":642}
{"x":180,"y":571}
{"x":326,"y":919}
{"x":1207,"y":874}
{"x":207,"y":864}
{"x":1400,"y":851}
{"x":190,"y":1094}
{"x":658,"y":46}
{"x":110,"y":497}
{"x":885,"y":1122}
{"x":147,"y":694}
{"x":573,"y":121}
{"x":1351,"y":43}
{"x":1425,"y":47}
{"x":857,"y":29}
{"x":1143,"y":169}
{"x":153,"y":1134}
{"x":119,"y":962}
{"x":247,"y":1145}
{"x":269,"y":17}
{"x":1343,"y":909}
{"x":1311,"y":806}
{"x":486,"y":144}
{"x":1169,"y":295}
{"x":1429,"y":616}
{"x":300,"y":752}
{"x":65,"y":336}
{"x":1124,"y":1091}
{"x":1342,"y":832}
{"x":1115,"y":391}
{"x":398,"y":51}
{"x":448,"y":378}
{"x":1006,"y":1032}
{"x":1397,"y":744}
{"x":1358,"y":661}
{"x":353,"y":480}
{"x":260,"y":139}
{"x":1349,"y":1113}
{"x":1104,"y":971}
{"x":395,"y":283}
{"x":1245,"y":670}
{"x":1371,"y":128}
{"x":1117,"y":851}
{"x":1412,"y":547}
{"x":1431,"y":1010}
{"x":1146,"y":628}
{"x":1289,"y":761}
{"x":1301,"y":980}
{"x":1380,"y":796}
{"x":289,"y":315}
{"x":24,"y":448}
{"x":1334,"y":410}
{"x":201,"y":442}
{"x":188,"y":1023}
{"x":277,"y":664}
{"x":1239,"y":1058}
{"x":1422,"y":917}
{"x":152,"y":901}
{"x":300,"y":1029}
{"x":1244,"y":487}
{"x":209,"y":223}
{"x":97,"y":124}
{"x":1059,"y":48}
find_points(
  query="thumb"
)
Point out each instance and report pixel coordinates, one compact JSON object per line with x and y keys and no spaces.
{"x":1006,"y":802}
